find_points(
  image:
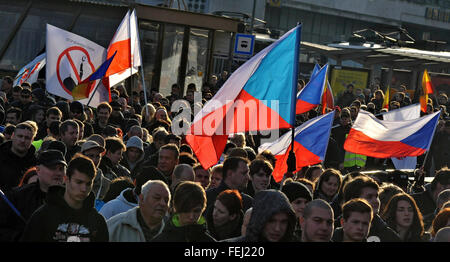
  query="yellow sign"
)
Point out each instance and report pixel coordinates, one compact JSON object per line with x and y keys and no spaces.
{"x":340,"y":78}
{"x":276,"y":3}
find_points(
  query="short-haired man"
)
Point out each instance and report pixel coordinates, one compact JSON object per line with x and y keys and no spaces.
{"x":16,"y":156}
{"x":69,"y":214}
{"x":159,"y":139}
{"x":356,"y":219}
{"x":167,"y":160}
{"x":13,"y":116}
{"x":366,"y":188}
{"x":203,"y":176}
{"x":181,"y":172}
{"x":114,"y":153}
{"x":317,"y":222}
{"x":104,"y":111}
{"x":50,"y":169}
{"x":51,"y":115}
{"x":7,"y":85}
{"x":68,"y":131}
{"x":260,"y":174}
{"x":142,"y":223}
{"x":235,"y":176}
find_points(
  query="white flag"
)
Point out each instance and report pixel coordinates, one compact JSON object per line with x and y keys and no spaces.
{"x":30,"y":72}
{"x":126,"y":43}
{"x":405,"y":113}
{"x":71,"y":59}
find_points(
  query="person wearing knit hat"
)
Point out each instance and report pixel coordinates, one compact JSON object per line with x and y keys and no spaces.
{"x":134,"y":155}
{"x":298,"y":195}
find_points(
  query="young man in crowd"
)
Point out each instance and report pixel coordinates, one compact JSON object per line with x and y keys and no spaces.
{"x":356,"y":219}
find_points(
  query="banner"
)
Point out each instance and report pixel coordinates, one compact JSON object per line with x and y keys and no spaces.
{"x":30,"y":72}
{"x":341,"y":77}
{"x":70,"y":60}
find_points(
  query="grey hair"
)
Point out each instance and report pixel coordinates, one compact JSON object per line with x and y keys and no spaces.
{"x":320,"y":203}
{"x":444,"y":196}
{"x":149,"y":184}
{"x":181,"y":168}
{"x":443,"y":235}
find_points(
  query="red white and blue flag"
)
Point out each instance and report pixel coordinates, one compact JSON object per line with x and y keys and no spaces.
{"x":310,"y":145}
{"x":382,"y":139}
{"x":310,"y":96}
{"x":259,"y":95}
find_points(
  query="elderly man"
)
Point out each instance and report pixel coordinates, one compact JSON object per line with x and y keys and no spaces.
{"x":142,"y":223}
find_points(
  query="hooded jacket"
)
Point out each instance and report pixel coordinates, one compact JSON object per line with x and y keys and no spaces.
{"x":12,"y":166}
{"x":174,"y":232}
{"x":106,"y":165}
{"x":268,"y":203}
{"x":125,"y":227}
{"x":118,"y":205}
{"x":56,"y":221}
{"x":101,"y":185}
{"x":137,"y":143}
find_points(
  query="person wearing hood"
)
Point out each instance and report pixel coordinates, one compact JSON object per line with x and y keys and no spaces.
{"x":50,"y":169}
{"x":187,"y":223}
{"x":69,"y":214}
{"x":16,"y":156}
{"x":134,"y":155}
{"x":272,"y":219}
{"x":143,"y":222}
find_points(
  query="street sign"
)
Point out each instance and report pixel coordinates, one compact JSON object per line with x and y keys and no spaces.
{"x":244,"y":44}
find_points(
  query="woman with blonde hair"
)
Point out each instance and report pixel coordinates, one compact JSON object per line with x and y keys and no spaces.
{"x":147,"y":118}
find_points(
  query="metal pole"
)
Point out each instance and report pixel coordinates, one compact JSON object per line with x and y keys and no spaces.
{"x":253,"y":17}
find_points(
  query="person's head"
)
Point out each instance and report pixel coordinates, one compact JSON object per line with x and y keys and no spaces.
{"x":228,"y":207}
{"x":189,"y":202}
{"x":25,"y":96}
{"x":53,"y":114}
{"x":16,"y":92}
{"x":7,"y":83}
{"x":50,"y":168}
{"x":21,"y":138}
{"x":317,"y":222}
{"x":30,"y":176}
{"x":260,"y":173}
{"x":154,"y":199}
{"x":151,"y":112}
{"x":402,"y":212}
{"x":245,"y":221}
{"x":168,"y":158}
{"x":135,"y":149}
{"x":203,"y":176}
{"x":159,"y":137}
{"x":104,"y":111}
{"x":441,"y":220}
{"x":117,"y":186}
{"x":387,"y":191}
{"x":272,"y":219}
{"x":13,"y":115}
{"x":135,"y":130}
{"x":443,"y":235}
{"x":346,"y":118}
{"x":93,"y":151}
{"x":182,"y":172}
{"x":216,"y":176}
{"x":441,"y":181}
{"x":442,"y":198}
{"x":80,"y":128}
{"x":114,"y":149}
{"x":313,"y":173}
{"x":350,"y":88}
{"x":238,"y":139}
{"x":298,"y":195}
{"x":79,"y":180}
{"x":68,"y":131}
{"x":173,"y":139}
{"x":329,"y":182}
{"x":76,"y":110}
{"x":363,"y":187}
{"x":356,"y":219}
{"x":236,"y":172}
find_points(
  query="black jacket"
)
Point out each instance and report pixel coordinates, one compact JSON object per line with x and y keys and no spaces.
{"x":26,"y":199}
{"x":56,"y":221}
{"x":188,"y":233}
{"x":108,"y":168}
{"x":424,"y":201}
{"x":12,"y":167}
{"x":381,"y":232}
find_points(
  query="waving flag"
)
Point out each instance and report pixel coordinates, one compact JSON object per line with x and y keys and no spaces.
{"x":386,"y":99}
{"x":310,"y":96}
{"x":259,"y":95}
{"x":84,"y":88}
{"x":382,"y":139}
{"x":404,"y":113}
{"x":427,"y":88}
{"x":126,"y":43}
{"x":315,"y":71}
{"x":310,"y":145}
{"x":327,"y":99}
{"x":30,"y":72}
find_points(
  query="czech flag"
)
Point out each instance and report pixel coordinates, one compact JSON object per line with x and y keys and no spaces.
{"x":382,"y":139}
{"x":310,"y":145}
{"x":259,"y":95}
{"x":327,"y":99}
{"x":310,"y":96}
{"x":84,"y":88}
{"x":427,"y":88}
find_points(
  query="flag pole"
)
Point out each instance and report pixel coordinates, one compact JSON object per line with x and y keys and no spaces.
{"x":131,"y":58}
{"x":291,"y":161}
{"x":431,"y":140}
{"x":142,"y":67}
{"x":12,"y":206}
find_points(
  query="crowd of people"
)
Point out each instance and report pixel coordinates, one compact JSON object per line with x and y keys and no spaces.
{"x":118,"y":173}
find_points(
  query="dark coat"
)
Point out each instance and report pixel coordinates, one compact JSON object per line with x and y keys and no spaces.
{"x":12,"y":166}
{"x":425,"y":201}
{"x":56,"y":221}
{"x":188,"y":233}
{"x":379,"y":229}
{"x":26,"y":199}
{"x":107,"y":167}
